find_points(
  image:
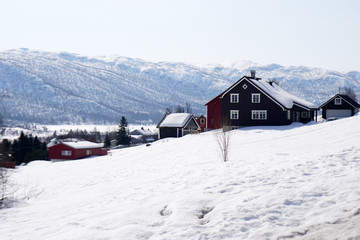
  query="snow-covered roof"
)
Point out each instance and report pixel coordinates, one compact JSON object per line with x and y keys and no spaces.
{"x":142,"y":131}
{"x":284,"y":98}
{"x":274,"y":91}
{"x":175,"y":120}
{"x":83,"y":144}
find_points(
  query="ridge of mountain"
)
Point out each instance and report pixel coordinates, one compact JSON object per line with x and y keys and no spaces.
{"x":54,"y":88}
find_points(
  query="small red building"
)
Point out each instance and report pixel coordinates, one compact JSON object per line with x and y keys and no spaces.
{"x":202,"y":122}
{"x":62,"y":150}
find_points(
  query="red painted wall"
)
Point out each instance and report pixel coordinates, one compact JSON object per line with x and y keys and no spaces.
{"x":214,"y":113}
{"x":55,"y":152}
{"x":202,"y":126}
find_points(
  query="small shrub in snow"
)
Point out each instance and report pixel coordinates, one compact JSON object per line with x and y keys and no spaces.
{"x":4,"y":186}
{"x":223,"y":140}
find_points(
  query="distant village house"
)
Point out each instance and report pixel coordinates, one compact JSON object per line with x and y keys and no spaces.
{"x":177,"y":125}
{"x":74,"y":149}
{"x":201,"y":122}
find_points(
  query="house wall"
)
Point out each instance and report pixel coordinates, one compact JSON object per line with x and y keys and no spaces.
{"x":202,"y":126}
{"x":55,"y":152}
{"x":166,"y":132}
{"x":296,"y":110}
{"x":275,"y":114}
{"x":213,"y":114}
{"x":331,"y":105}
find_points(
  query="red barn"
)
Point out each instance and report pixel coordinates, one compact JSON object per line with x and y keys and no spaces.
{"x":74,"y":150}
{"x":202,"y":122}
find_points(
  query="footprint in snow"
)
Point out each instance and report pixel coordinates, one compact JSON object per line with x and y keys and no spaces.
{"x":165,"y":211}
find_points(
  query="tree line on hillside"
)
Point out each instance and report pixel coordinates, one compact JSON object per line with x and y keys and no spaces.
{"x":23,"y":150}
{"x":179,"y":109}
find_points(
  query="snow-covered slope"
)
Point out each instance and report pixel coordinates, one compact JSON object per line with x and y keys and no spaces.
{"x":297,"y":181}
{"x":49,"y":88}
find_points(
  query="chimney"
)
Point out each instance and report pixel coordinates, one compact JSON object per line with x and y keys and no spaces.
{"x":253,"y":72}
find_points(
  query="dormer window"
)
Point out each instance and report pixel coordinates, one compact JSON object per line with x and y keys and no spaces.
{"x":337,"y":101}
{"x":255,"y":97}
{"x":234,"y":97}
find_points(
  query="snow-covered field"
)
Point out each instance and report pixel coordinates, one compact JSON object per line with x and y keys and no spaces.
{"x":297,"y":181}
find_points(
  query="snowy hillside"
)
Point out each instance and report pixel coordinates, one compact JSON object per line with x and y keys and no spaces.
{"x":57,"y":88}
{"x":289,"y":182}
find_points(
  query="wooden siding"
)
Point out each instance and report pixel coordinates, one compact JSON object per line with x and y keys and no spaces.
{"x":275,"y":113}
{"x":55,"y":152}
{"x":190,"y":127}
{"x":213,"y":114}
{"x":166,"y":132}
{"x":331,"y":105}
{"x":202,"y":125}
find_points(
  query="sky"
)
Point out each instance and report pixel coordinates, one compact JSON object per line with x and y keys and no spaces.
{"x":314,"y":33}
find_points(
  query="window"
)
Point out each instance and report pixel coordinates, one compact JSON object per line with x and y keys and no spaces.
{"x":88,"y":152}
{"x":338,"y":101}
{"x":202,"y":121}
{"x":288,"y":114}
{"x":244,"y":86}
{"x":305,"y":114}
{"x":66,"y":153}
{"x":234,"y":114}
{"x":258,"y":114}
{"x":234,"y":97}
{"x":255,"y":97}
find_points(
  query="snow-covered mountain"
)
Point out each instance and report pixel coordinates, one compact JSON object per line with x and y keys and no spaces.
{"x":45,"y":87}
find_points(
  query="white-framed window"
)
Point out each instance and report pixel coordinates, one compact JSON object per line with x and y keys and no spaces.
{"x":259,"y":114}
{"x":305,"y":114}
{"x":65,"y":153}
{"x":88,"y":152}
{"x":244,"y":86}
{"x":288,"y":114}
{"x":255,"y":97}
{"x":202,"y":121}
{"x":234,"y":114}
{"x":234,"y":97}
{"x":337,"y":101}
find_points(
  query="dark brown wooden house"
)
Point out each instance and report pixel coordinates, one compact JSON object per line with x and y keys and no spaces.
{"x":339,"y":106}
{"x":253,"y":101}
{"x":177,"y":125}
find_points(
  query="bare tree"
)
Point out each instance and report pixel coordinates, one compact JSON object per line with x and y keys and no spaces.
{"x":188,"y":107}
{"x":4,"y":185}
{"x":168,"y":111}
{"x":179,"y":109}
{"x":350,"y":92}
{"x":223,"y":140}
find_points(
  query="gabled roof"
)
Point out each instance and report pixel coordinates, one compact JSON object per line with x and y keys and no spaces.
{"x":176,"y":120}
{"x":81,"y":144}
{"x":273,"y":91}
{"x":142,"y":132}
{"x":346,"y":98}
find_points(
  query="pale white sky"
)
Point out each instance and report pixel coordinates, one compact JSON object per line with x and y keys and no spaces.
{"x":317,"y":33}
